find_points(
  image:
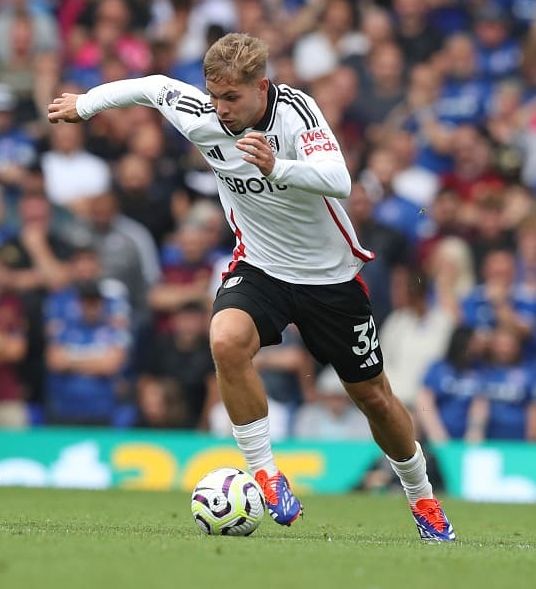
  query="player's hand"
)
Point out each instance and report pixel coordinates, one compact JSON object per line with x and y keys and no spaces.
{"x":64,"y":109}
{"x":258,"y":151}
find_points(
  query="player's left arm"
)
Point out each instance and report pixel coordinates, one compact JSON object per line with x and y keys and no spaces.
{"x":319,"y":168}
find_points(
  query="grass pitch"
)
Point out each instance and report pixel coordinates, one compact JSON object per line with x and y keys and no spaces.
{"x":53,"y":539}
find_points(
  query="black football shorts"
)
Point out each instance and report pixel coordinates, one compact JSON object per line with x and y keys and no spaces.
{"x":334,"y":320}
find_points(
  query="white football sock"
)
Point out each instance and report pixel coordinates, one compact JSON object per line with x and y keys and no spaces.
{"x":412,"y":475}
{"x":253,"y":439}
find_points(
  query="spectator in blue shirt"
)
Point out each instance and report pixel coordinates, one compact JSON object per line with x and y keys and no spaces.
{"x":85,"y":361}
{"x":464,"y":97}
{"x":17,"y":150}
{"x":64,"y":306}
{"x":390,"y":209}
{"x":498,"y":55}
{"x":449,"y":387}
{"x":507,"y":407}
{"x":501,"y":302}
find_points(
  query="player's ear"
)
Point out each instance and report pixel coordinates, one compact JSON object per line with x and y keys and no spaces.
{"x":263,"y":84}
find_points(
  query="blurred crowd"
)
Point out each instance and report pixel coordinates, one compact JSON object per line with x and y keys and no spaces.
{"x":112,"y":240}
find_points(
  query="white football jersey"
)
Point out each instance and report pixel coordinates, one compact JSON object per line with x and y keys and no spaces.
{"x":299,"y":235}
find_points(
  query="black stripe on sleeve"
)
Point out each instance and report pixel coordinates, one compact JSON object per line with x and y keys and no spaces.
{"x":292,"y":103}
{"x":188,"y":110}
{"x":195,"y":101}
{"x":303,"y":104}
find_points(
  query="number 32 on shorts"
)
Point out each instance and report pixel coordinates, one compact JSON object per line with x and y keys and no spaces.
{"x":367,"y":340}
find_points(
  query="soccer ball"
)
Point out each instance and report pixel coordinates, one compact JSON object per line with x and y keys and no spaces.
{"x":228,"y":502}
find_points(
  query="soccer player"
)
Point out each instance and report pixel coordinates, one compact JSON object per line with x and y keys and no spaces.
{"x":281,"y":176}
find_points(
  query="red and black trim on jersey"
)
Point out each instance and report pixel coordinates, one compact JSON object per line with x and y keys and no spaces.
{"x":239,"y":252}
{"x":359,"y":252}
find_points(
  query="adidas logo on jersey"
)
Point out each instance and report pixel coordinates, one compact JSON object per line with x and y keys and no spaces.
{"x":216,"y":153}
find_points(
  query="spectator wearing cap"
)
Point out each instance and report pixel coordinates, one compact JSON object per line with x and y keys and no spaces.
{"x":17,"y":149}
{"x":85,"y":360}
{"x":332,"y":416}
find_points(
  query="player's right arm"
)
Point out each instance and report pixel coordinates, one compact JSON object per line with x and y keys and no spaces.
{"x":176,"y":100}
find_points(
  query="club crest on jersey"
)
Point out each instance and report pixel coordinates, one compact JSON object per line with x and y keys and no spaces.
{"x":273,"y":141}
{"x":230,"y":282}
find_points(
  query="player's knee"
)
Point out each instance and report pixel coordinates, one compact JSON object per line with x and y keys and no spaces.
{"x":231,"y":343}
{"x":373,"y":397}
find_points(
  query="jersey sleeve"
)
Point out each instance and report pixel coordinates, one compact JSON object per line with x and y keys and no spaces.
{"x":319,"y":166}
{"x":313,"y":138}
{"x":179,"y":103}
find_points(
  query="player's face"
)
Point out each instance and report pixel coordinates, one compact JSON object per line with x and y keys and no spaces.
{"x":239,"y":105}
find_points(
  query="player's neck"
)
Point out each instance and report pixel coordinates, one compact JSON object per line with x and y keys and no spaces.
{"x":262,"y":111}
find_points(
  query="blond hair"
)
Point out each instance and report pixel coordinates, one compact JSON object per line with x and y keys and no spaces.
{"x":237,"y":58}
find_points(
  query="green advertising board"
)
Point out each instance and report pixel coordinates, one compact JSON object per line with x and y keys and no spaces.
{"x":91,"y":458}
{"x":502,"y":471}
{"x":142,"y":459}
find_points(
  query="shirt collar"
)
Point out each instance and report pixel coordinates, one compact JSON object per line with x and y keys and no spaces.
{"x":267,"y":120}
